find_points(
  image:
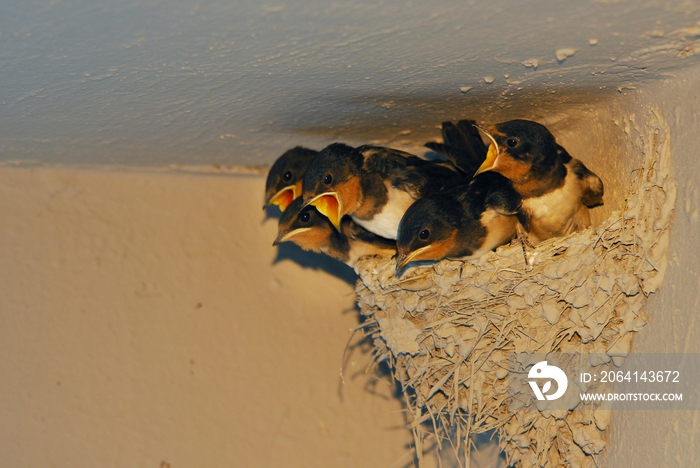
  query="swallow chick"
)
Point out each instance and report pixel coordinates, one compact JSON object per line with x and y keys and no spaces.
{"x":461,"y":222}
{"x":462,"y":146}
{"x":557,"y":190}
{"x":373,"y":185}
{"x":307,"y":228}
{"x":284,"y":179}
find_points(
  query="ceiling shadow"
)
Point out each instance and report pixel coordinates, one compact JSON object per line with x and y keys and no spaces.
{"x":413,"y":119}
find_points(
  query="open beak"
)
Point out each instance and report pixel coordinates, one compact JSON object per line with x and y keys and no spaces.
{"x":491,"y":157}
{"x":403,"y":260}
{"x":285,"y":237}
{"x":329,"y":205}
{"x":283,"y":198}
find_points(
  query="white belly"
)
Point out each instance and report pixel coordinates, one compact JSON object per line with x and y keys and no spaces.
{"x":386,"y":222}
{"x":554,"y":214}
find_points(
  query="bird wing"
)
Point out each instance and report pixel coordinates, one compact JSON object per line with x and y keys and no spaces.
{"x":462,"y":146}
{"x":493,"y":191}
{"x":406,"y":172}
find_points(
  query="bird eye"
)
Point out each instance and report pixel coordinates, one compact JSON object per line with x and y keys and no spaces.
{"x":512,"y":142}
{"x":304,"y":217}
{"x":287,"y":176}
{"x":328,"y":179}
{"x":424,"y":234}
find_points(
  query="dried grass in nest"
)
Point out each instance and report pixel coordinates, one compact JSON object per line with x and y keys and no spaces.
{"x":447,"y":330}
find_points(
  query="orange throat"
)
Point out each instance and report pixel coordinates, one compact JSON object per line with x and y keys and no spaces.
{"x":284,"y":197}
{"x":329,"y":206}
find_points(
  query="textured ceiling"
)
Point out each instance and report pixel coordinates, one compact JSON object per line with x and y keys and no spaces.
{"x":236,"y":82}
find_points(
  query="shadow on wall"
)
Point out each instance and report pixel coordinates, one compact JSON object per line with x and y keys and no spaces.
{"x":317,"y":261}
{"x":403,"y":118}
{"x":313,"y":260}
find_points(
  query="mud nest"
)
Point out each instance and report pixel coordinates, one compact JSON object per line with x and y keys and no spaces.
{"x":449,"y":331}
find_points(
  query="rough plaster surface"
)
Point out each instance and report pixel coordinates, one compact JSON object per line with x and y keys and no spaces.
{"x":213,"y":81}
{"x":143,"y":323}
{"x":663,"y":438}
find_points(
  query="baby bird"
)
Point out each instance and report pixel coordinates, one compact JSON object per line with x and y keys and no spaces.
{"x":556,"y":189}
{"x":284,"y":179}
{"x":461,"y":222}
{"x":373,"y":185}
{"x":311,"y":231}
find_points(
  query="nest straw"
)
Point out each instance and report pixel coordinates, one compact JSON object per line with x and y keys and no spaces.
{"x":449,"y":331}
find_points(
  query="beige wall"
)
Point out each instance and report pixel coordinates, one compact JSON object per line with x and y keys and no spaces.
{"x":143,"y":321}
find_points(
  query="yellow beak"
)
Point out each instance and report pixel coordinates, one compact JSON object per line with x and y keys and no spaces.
{"x":284,"y":197}
{"x":285,"y":237}
{"x":403,"y":260}
{"x":490,"y":161}
{"x":329,"y":205}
